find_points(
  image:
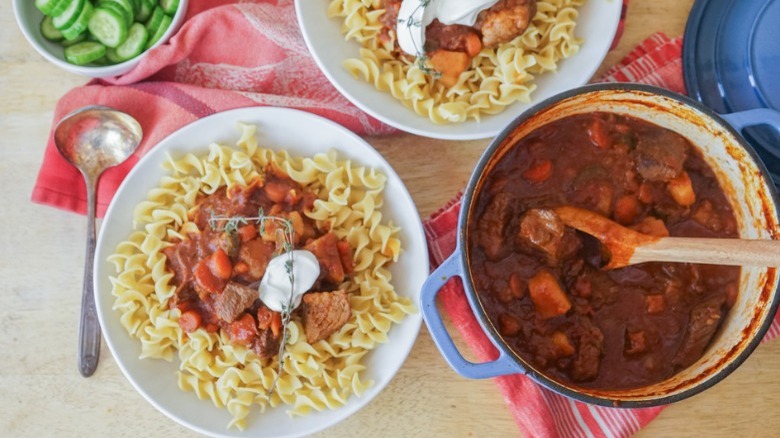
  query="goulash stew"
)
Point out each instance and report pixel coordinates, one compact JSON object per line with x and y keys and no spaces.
{"x":218,"y":269}
{"x":541,"y":283}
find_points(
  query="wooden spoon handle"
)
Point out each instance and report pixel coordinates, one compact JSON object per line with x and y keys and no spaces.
{"x":734,"y":252}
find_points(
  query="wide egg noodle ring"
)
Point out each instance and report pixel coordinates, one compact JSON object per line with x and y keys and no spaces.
{"x":496,"y":79}
{"x":315,"y":377}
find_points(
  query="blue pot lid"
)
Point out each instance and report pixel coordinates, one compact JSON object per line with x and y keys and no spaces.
{"x":731,"y":62}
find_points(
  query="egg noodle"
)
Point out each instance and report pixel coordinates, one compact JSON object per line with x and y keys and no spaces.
{"x":497,"y":77}
{"x":316,"y":376}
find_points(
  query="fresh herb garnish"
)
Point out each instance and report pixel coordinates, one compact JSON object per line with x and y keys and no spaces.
{"x":231,"y":224}
{"x":420,"y":59}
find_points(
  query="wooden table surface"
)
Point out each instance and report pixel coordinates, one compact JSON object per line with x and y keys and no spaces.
{"x":41,"y":267}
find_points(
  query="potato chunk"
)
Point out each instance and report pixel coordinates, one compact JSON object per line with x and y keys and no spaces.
{"x":681,"y":190}
{"x":547,"y":295}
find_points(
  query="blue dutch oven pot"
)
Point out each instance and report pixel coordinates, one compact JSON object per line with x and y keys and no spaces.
{"x":751,"y":193}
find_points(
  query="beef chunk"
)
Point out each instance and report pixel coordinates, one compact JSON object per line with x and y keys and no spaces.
{"x":504,"y":21}
{"x":327,"y":252}
{"x":181,"y":260}
{"x":492,"y":225}
{"x":635,"y":343}
{"x":704,"y":320}
{"x":508,"y":325}
{"x":324,"y":313}
{"x":590,"y":341}
{"x":233,"y":300}
{"x":266,"y":345}
{"x":543,"y":229}
{"x":660,"y":155}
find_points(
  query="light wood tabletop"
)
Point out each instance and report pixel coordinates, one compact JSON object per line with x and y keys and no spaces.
{"x":41,"y":268}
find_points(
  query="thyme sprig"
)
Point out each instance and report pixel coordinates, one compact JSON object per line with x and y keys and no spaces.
{"x":231,"y":225}
{"x":420,"y":58}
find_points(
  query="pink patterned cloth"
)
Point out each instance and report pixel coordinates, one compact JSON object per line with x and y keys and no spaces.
{"x":538,"y":411}
{"x":228,"y":54}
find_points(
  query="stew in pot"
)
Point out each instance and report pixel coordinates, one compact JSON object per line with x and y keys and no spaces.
{"x":541,"y":283}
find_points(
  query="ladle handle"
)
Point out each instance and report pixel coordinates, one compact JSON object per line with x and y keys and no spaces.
{"x":733,"y":252}
{"x":89,"y":327}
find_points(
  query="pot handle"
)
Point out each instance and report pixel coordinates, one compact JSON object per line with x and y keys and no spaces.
{"x":759,"y":116}
{"x":501,"y":366}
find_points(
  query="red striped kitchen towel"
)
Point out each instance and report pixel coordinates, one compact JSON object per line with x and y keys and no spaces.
{"x":228,"y":54}
{"x":540,"y":412}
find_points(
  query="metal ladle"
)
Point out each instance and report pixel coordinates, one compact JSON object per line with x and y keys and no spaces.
{"x":93,"y":139}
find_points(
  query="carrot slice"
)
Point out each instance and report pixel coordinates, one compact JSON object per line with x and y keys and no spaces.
{"x":540,"y":171}
{"x":221,"y":266}
{"x":473,"y":44}
{"x":276,"y":323}
{"x":247,"y":233}
{"x":626,"y":209}
{"x":189,"y":321}
{"x":598,"y":134}
{"x":205,"y":278}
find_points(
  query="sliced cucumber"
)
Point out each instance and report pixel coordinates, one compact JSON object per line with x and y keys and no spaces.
{"x":84,"y":52}
{"x":80,"y":25}
{"x":164,"y":24}
{"x":169,"y":6}
{"x":146,"y":10}
{"x":51,"y":7}
{"x":116,"y":7}
{"x":137,"y":37}
{"x":48,"y":30}
{"x":78,"y":39}
{"x":100,"y":62}
{"x":154,"y":21}
{"x":127,"y":5}
{"x":108,"y":27}
{"x":69,"y":15}
{"x":136,"y":8}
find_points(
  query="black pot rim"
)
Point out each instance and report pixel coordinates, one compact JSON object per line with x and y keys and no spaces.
{"x":476,"y":307}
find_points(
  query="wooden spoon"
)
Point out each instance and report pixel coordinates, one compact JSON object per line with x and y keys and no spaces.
{"x":629,"y":247}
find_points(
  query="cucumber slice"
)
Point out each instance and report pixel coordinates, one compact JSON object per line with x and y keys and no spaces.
{"x":137,"y":37}
{"x":69,"y":15}
{"x":108,"y":27}
{"x":119,"y":10}
{"x":80,"y":25}
{"x":146,"y":10}
{"x":154,"y":21}
{"x":51,"y":7}
{"x":127,"y":5}
{"x":136,"y":7}
{"x":100,"y":62}
{"x":48,"y":30}
{"x":164,"y":24}
{"x":78,"y":39}
{"x":169,"y":6}
{"x":84,"y":52}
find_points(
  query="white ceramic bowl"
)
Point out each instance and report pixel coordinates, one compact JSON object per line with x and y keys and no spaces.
{"x":301,"y":134}
{"x":597,"y":24}
{"x":28,"y":17}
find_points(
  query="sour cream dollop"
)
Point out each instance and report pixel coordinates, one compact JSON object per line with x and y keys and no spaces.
{"x":275,"y":285}
{"x":413,"y":18}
